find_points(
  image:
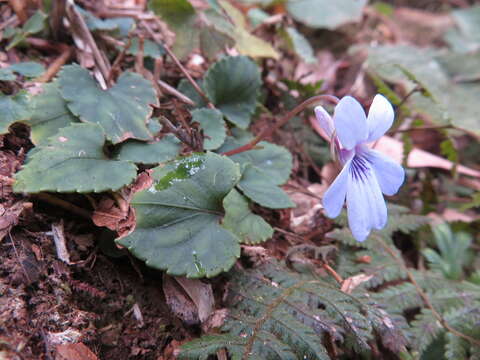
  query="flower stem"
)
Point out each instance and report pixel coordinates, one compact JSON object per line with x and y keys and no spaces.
{"x":266,"y":132}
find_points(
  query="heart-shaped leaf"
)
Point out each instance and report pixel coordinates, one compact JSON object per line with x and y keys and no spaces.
{"x":260,"y":188}
{"x":13,"y":108}
{"x":50,"y":113}
{"x":178,"y":217}
{"x":233,"y":85}
{"x":211,"y":121}
{"x":150,"y":153}
{"x":273,"y":160}
{"x":250,"y":228}
{"x":326,"y":13}
{"x":73,"y":161}
{"x":122,"y":110}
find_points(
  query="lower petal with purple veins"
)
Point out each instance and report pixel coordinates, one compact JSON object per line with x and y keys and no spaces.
{"x":366,"y":207}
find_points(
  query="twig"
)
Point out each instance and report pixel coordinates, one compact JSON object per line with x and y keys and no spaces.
{"x":266,"y":132}
{"x":79,"y":22}
{"x":332,"y":272}
{"x":117,"y":61}
{"x":425,"y":298}
{"x":178,"y":63}
{"x":172,"y":91}
{"x":64,"y":204}
{"x":55,"y":66}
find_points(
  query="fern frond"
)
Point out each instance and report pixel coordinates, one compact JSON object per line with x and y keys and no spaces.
{"x":275,"y":313}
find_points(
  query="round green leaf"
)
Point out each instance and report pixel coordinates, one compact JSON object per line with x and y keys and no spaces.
{"x":50,"y":113}
{"x":29,"y":69}
{"x":273,"y":160}
{"x":259,"y":188}
{"x":150,"y":153}
{"x":211,"y":121}
{"x":250,"y":228}
{"x":326,"y":13}
{"x":13,"y":108}
{"x":73,"y":161}
{"x":178,"y":217}
{"x":122,"y":110}
{"x":233,"y":85}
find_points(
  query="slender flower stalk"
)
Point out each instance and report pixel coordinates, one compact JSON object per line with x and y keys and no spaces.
{"x":366,"y":173}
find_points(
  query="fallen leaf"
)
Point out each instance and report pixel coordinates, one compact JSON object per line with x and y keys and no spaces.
{"x":352,"y":282}
{"x":74,"y":352}
{"x":9,"y":216}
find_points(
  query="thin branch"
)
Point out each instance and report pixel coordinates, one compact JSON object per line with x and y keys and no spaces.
{"x":268,"y":131}
{"x":178,"y":63}
{"x":425,"y":298}
{"x":79,"y":22}
{"x":56,"y":65}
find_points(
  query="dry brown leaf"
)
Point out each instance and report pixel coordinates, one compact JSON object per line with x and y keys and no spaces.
{"x":117,"y":214}
{"x":74,"y":352}
{"x":451,"y":215}
{"x":9,"y":216}
{"x":419,"y":158}
{"x":352,"y":282}
{"x":201,"y":295}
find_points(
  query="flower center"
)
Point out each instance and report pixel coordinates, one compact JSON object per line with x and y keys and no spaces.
{"x":359,"y":168}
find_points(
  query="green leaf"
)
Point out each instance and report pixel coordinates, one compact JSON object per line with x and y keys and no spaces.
{"x":246,"y":43}
{"x":33,"y":25}
{"x":120,"y":26}
{"x":122,"y":110}
{"x":211,"y":121}
{"x":150,"y":49}
{"x":446,"y":76}
{"x":468,"y":22}
{"x":13,"y":108}
{"x":263,"y":190}
{"x":150,"y":153}
{"x":186,"y":88}
{"x":300,"y":45}
{"x":279,"y":314}
{"x":50,"y":113}
{"x":73,"y":161}
{"x":6,"y":74}
{"x":180,"y":15}
{"x":28,"y":69}
{"x":178,"y":217}
{"x":250,"y":228}
{"x":233,"y":85}
{"x":326,"y":13}
{"x":274,"y":161}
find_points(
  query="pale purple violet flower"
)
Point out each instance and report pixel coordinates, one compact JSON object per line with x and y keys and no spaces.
{"x":366,"y":173}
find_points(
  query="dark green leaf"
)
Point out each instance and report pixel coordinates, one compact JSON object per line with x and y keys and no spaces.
{"x":29,"y":69}
{"x":150,"y":49}
{"x":122,"y":110}
{"x":326,"y":13}
{"x":260,"y":188}
{"x":250,"y":228}
{"x":233,"y":85}
{"x":178,"y":217}
{"x":13,"y":108}
{"x":150,"y":153}
{"x":211,"y":121}
{"x":33,"y":25}
{"x":73,"y":161}
{"x":50,"y":113}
